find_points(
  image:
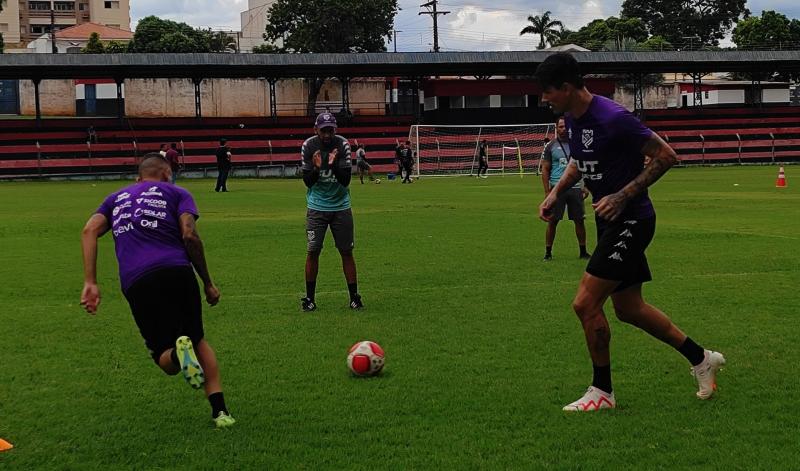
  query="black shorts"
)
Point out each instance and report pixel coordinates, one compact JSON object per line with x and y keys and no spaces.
{"x":619,"y":255}
{"x":166,"y":305}
{"x":572,"y":200}
{"x":363,"y":165}
{"x":341,"y":224}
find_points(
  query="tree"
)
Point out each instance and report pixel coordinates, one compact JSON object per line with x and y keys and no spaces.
{"x":116,"y":47}
{"x":309,"y":26}
{"x":156,"y":35}
{"x":598,"y":33}
{"x":678,"y":21}
{"x":549,"y":31}
{"x":657,"y":43}
{"x":220,"y":41}
{"x":771,"y":31}
{"x":94,"y":46}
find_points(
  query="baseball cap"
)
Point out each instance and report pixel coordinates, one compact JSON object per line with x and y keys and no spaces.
{"x":325,"y":120}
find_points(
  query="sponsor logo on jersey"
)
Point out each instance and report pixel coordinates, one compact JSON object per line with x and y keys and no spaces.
{"x":122,"y":196}
{"x":615,"y":256}
{"x":587,"y":138}
{"x":123,"y":229}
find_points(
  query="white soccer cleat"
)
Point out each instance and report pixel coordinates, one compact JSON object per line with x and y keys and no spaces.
{"x":594,"y":399}
{"x":706,"y":374}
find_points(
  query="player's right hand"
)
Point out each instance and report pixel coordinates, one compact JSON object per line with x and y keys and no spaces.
{"x":317,"y":159}
{"x":546,"y":208}
{"x":212,"y":294}
{"x":90,"y":297}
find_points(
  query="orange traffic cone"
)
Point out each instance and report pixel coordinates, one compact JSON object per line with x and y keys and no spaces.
{"x":5,"y":446}
{"x":781,"y":181}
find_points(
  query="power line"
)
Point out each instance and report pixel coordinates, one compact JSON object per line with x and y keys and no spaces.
{"x":431,"y":6}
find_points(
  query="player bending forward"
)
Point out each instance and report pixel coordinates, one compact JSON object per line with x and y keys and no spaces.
{"x":153,"y":223}
{"x":608,"y":145}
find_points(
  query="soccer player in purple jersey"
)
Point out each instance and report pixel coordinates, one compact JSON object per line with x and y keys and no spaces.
{"x":608,"y":146}
{"x":156,"y":243}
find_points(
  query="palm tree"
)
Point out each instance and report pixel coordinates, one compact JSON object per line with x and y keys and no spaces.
{"x":544,"y":27}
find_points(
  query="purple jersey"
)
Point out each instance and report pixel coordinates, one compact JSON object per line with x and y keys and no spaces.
{"x":145,"y":221}
{"x":606,"y":143}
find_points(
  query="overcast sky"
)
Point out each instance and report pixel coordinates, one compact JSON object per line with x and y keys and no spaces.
{"x":471,"y":25}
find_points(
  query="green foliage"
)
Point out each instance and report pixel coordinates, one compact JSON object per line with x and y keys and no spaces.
{"x":266,"y":49}
{"x":329,"y":25}
{"x":156,"y":35}
{"x":548,"y":30}
{"x":482,"y":345}
{"x":116,"y":47}
{"x":706,"y":20}
{"x":597,"y":34}
{"x":657,"y":43}
{"x":771,"y":31}
{"x":94,"y":46}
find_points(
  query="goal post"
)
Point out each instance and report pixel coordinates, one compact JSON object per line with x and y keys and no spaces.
{"x":449,"y":150}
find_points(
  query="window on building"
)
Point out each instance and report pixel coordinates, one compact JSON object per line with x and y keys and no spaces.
{"x":39,"y":6}
{"x":706,"y":96}
{"x":83,"y":7}
{"x":512,"y":101}
{"x":39,"y":29}
{"x":477,"y":102}
{"x":64,"y":6}
{"x":73,"y":50}
{"x":113,"y":5}
{"x":456,"y":102}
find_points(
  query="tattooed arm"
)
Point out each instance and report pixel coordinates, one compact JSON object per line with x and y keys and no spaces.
{"x":662,"y":157}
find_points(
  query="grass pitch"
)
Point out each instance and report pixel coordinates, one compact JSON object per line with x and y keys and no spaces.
{"x":482,"y":347}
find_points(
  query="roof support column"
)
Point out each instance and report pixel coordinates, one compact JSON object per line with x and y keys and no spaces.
{"x":756,"y":90}
{"x":120,"y":102}
{"x":37,"y":99}
{"x":417,"y":83}
{"x":697,"y":89}
{"x":198,"y":102}
{"x":273,"y":100}
{"x":345,"y":95}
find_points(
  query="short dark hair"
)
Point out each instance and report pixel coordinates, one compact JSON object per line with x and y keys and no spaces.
{"x":223,"y":141}
{"x":173,"y":145}
{"x":152,"y":163}
{"x":558,"y":69}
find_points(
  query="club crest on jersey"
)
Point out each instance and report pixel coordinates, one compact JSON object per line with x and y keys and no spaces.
{"x":587,"y":138}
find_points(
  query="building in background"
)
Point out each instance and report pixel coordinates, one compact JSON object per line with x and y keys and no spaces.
{"x":24,"y":21}
{"x":75,"y":38}
{"x":254,"y":23}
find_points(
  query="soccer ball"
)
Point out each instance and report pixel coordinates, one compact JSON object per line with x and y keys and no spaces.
{"x":377,"y":181}
{"x":365,"y":358}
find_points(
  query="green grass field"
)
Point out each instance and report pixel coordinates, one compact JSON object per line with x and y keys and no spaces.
{"x":482,"y":347}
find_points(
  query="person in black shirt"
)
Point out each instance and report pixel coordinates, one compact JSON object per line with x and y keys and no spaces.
{"x":483,"y":159}
{"x":223,"y":165}
{"x":406,"y":158}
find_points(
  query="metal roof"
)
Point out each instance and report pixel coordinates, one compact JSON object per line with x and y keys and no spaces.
{"x":54,"y":66}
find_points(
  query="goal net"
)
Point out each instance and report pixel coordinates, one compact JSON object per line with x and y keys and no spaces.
{"x":515,"y":149}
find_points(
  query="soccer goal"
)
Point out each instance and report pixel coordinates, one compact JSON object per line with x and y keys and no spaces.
{"x":513,"y":149}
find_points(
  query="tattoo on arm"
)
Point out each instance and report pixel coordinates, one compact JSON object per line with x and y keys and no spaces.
{"x":662,"y":157}
{"x":569,"y":179}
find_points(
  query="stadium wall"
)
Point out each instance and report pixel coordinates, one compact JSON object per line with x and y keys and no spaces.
{"x":56,"y":97}
{"x":655,"y":97}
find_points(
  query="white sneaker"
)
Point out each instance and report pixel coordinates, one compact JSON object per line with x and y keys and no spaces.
{"x":706,"y":374}
{"x":594,"y":399}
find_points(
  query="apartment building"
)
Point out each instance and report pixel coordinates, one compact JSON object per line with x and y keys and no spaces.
{"x":22,"y":21}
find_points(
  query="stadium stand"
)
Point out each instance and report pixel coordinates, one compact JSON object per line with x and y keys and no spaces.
{"x":59,"y":146}
{"x":730,"y":135}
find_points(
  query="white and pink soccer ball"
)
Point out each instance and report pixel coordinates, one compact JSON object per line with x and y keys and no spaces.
{"x":365,"y":358}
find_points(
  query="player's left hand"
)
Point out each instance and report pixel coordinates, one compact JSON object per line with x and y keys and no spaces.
{"x":610,"y":207}
{"x":332,"y":156}
{"x":212,"y":294}
{"x":90,"y":297}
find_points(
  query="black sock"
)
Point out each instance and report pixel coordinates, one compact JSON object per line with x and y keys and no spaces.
{"x":311,"y":289}
{"x":693,"y":352}
{"x":217,"y":401}
{"x":548,"y":250}
{"x":174,"y":358}
{"x":353,"y":288}
{"x":583,"y":250}
{"x":602,"y":378}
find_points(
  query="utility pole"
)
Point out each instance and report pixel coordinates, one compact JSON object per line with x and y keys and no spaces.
{"x":394,"y":31}
{"x":53,"y":31}
{"x":431,"y":6}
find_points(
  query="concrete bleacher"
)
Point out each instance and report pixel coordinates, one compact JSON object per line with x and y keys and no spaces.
{"x":60,"y":147}
{"x":730,"y":135}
